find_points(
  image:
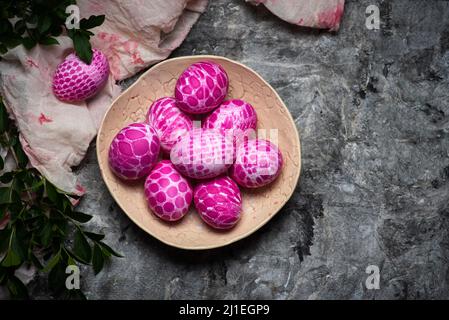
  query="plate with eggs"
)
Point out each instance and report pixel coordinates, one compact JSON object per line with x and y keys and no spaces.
{"x":199,"y":152}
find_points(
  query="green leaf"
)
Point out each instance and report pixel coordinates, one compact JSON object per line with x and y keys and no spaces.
{"x":12,"y":41}
{"x":75,"y":257}
{"x":51,"y":192}
{"x":32,"y":19}
{"x":46,"y":234}
{"x":5,"y":26}
{"x":48,"y":41}
{"x":53,"y":261}
{"x":28,"y":42}
{"x":87,"y":33}
{"x":21,"y":156}
{"x":94,"y":236}
{"x":82,"y":47}
{"x":17,"y":184}
{"x":79,"y":216}
{"x":43,"y":24}
{"x":5,"y":234}
{"x":8,"y":195}
{"x":109,"y":250}
{"x":66,"y":204}
{"x":4,"y":118}
{"x":66,"y":254}
{"x":16,"y":288}
{"x":71,"y":33}
{"x":37,"y":184}
{"x":3,"y":275}
{"x":13,"y":256}
{"x":20,"y":27}
{"x":36,"y":261}
{"x":97,"y":259}
{"x":13,"y":140}
{"x":92,"y":22}
{"x":20,"y":242}
{"x":82,"y":248}
{"x":57,"y":277}
{"x":12,"y":259}
{"x":56,"y":30}
{"x":7,"y":177}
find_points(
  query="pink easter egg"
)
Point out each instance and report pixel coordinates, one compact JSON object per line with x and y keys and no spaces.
{"x":134,"y":151}
{"x":168,"y":193}
{"x":74,"y":80}
{"x":233,"y":116}
{"x":258,"y":163}
{"x":169,"y":121}
{"x":203,"y":154}
{"x":201,"y":87}
{"x":218,"y":202}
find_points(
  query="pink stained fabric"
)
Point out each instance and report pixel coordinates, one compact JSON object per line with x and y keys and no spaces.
{"x":55,"y":135}
{"x":322,"y":14}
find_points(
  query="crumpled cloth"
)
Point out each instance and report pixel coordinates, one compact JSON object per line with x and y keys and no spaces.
{"x":55,"y":135}
{"x":322,"y":14}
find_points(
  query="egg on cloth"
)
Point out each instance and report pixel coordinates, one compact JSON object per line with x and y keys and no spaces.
{"x":201,"y":87}
{"x":168,"y":193}
{"x":218,"y":202}
{"x":203,"y":154}
{"x":75,"y":81}
{"x":258,"y":163}
{"x":169,"y":121}
{"x":134,"y":151}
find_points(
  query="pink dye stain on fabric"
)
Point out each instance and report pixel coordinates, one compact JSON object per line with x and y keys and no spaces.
{"x":169,"y":121}
{"x":131,"y":47}
{"x":233,"y":116}
{"x":203,"y":154}
{"x":134,"y":151}
{"x":76,"y":81}
{"x":168,"y":193}
{"x":80,"y":189}
{"x":44,"y":119}
{"x":201,"y":87}
{"x":258,"y":163}
{"x":31,"y":63}
{"x":330,"y":18}
{"x":218,"y":201}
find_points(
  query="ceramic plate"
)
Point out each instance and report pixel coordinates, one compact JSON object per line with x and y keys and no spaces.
{"x":259,"y":205}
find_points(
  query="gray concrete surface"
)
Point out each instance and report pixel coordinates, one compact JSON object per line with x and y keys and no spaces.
{"x":372,"y":109}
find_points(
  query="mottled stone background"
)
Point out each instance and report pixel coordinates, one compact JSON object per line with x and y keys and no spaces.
{"x":372,"y":109}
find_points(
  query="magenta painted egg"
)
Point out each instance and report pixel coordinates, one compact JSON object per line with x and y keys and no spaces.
{"x":74,"y":80}
{"x":218,"y":202}
{"x":258,"y":163}
{"x":203,"y":154}
{"x":168,"y":193}
{"x":234,"y":117}
{"x":169,"y":121}
{"x":201,"y":87}
{"x":134,"y":151}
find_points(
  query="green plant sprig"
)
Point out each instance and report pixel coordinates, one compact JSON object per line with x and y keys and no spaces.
{"x":32,"y":22}
{"x":44,"y":229}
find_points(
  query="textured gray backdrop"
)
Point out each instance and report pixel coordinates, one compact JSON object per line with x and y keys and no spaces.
{"x":372,"y":109}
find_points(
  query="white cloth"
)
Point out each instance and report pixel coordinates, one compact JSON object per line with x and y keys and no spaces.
{"x":323,"y":14}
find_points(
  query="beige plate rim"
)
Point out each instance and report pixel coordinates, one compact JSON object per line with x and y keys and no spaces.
{"x":260,"y":225}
